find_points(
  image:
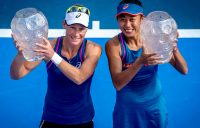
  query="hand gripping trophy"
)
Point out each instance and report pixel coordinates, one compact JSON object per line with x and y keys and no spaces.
{"x":29,"y":26}
{"x":158,"y":32}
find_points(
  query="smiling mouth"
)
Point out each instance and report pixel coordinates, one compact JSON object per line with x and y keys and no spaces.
{"x":128,"y":30}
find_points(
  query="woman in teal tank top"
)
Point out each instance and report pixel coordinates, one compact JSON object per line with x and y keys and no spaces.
{"x":139,"y":99}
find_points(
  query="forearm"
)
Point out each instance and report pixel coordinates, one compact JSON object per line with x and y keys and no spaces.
{"x":17,"y":69}
{"x":178,"y":62}
{"x":72,"y":72}
{"x":121,"y":79}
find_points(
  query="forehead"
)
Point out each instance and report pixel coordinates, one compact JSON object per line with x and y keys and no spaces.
{"x":77,"y":25}
{"x":123,"y":15}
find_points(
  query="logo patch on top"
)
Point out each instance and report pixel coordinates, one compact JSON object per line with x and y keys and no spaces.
{"x":125,"y":6}
{"x":77,"y":16}
{"x":78,"y":64}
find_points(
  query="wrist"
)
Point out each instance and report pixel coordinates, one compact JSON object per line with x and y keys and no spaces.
{"x":56,"y":59}
{"x":139,"y":62}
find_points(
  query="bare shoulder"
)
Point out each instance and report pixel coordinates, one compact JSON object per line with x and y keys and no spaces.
{"x":112,"y":44}
{"x":93,"y":47}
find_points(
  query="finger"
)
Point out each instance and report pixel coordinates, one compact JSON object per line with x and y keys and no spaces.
{"x":158,"y":57}
{"x":175,"y":42}
{"x":14,"y":37}
{"x":177,"y":34}
{"x":155,"y":62}
{"x":41,"y":45}
{"x":39,"y":50}
{"x":150,"y":55}
{"x":46,"y":41}
{"x":154,"y":59}
{"x":38,"y":53}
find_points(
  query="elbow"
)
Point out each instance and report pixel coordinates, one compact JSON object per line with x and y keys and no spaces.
{"x":117,"y":86}
{"x":79,"y":80}
{"x":14,"y":77}
{"x":185,"y":71}
{"x":118,"y":89}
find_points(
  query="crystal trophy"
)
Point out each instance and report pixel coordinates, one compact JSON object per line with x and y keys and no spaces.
{"x":158,"y":32}
{"x":29,"y":26}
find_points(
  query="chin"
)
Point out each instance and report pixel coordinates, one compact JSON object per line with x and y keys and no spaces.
{"x":129,"y":34}
{"x":76,"y":42}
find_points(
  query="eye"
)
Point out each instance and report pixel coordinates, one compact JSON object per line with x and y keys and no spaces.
{"x":132,"y":19}
{"x":121,"y":19}
{"x":72,"y":27}
{"x":82,"y":29}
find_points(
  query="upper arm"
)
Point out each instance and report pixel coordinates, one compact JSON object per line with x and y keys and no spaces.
{"x":92,"y":55}
{"x":114,"y":59}
{"x":20,"y":67}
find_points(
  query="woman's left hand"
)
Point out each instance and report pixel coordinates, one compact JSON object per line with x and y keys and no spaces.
{"x":175,"y":42}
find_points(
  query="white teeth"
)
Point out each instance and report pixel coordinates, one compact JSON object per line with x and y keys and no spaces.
{"x":128,"y":30}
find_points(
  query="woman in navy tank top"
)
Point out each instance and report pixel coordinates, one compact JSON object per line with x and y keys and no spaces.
{"x":71,"y":61}
{"x":139,"y":99}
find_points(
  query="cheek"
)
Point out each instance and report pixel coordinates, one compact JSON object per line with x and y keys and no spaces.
{"x":121,"y":25}
{"x":82,"y":35}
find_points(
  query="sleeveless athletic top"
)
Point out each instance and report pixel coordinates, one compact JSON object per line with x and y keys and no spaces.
{"x":142,"y":95}
{"x":65,"y":101}
{"x":145,"y":84}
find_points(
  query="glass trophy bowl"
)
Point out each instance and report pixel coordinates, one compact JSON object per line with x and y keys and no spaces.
{"x":158,"y":32}
{"x":29,"y":27}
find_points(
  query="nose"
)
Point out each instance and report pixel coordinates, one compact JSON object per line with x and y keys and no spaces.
{"x":76,"y":32}
{"x":127,"y":23}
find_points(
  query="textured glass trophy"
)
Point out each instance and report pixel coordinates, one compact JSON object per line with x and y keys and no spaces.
{"x":158,"y":32}
{"x":29,"y":26}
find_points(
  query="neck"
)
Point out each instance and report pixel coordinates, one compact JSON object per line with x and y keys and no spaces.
{"x":69,"y":50}
{"x":134,"y":43}
{"x":68,"y":46}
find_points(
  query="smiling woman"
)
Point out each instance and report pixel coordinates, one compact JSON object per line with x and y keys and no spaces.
{"x":71,"y":61}
{"x":134,"y":72}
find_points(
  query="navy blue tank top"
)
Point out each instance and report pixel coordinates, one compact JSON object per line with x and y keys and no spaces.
{"x":65,"y":101}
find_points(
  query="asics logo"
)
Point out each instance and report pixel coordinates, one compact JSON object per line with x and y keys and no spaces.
{"x":78,"y":64}
{"x":125,"y":6}
{"x":77,"y":16}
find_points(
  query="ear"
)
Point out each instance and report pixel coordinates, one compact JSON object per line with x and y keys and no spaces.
{"x":64,"y":24}
{"x":142,"y":17}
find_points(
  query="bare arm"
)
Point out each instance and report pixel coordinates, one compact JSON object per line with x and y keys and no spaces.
{"x":121,"y":78}
{"x":178,"y":62}
{"x":92,"y":55}
{"x":19,"y":66}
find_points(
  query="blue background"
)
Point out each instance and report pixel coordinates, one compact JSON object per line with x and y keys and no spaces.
{"x":21,"y":101}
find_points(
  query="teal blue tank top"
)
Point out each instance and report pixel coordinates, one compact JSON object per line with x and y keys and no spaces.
{"x":145,"y":85}
{"x":140,"y":103}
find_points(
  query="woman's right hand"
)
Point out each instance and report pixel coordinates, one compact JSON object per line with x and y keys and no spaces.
{"x":149,"y":59}
{"x":17,"y":44}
